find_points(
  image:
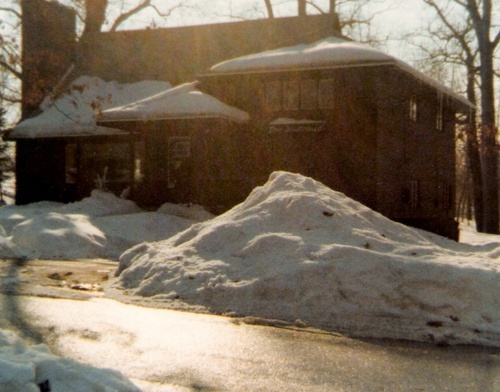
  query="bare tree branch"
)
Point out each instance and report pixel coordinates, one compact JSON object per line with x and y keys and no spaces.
{"x":10,"y":68}
{"x":138,"y":8}
{"x":12,"y":11}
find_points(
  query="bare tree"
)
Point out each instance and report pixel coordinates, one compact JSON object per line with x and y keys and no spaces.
{"x":355,"y":20}
{"x":463,"y":38}
{"x":93,"y":15}
{"x":482,"y":21}
{"x":10,"y":69}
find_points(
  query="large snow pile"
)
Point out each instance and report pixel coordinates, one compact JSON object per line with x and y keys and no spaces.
{"x":26,"y":368}
{"x":297,"y":250}
{"x":76,"y":110}
{"x":100,"y":226}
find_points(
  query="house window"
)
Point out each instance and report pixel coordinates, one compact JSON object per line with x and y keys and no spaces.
{"x":411,"y":194}
{"x":291,"y":95}
{"x":308,"y":94}
{"x":105,"y":164}
{"x":179,"y":147}
{"x":439,"y":112}
{"x":139,"y":154}
{"x":413,"y":108}
{"x":71,"y":163}
{"x":273,"y":95}
{"x":326,"y":94}
{"x":445,"y":193}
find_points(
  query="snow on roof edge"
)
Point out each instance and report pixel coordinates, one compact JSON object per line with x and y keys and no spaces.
{"x":65,"y":133}
{"x":399,"y":63}
{"x":328,"y":53}
{"x":182,"y":101}
{"x":185,"y":116}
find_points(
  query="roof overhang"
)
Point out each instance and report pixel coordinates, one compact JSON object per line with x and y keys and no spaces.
{"x":182,"y":102}
{"x":75,"y":131}
{"x":393,"y":62}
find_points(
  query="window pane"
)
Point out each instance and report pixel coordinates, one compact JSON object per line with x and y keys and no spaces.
{"x":439,"y":116}
{"x":309,"y":94}
{"x":71,"y":151}
{"x":291,"y":95}
{"x":273,"y":95}
{"x":326,"y":94}
{"x":413,"y":109}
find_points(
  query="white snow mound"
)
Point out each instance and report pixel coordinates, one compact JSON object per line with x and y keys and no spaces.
{"x":100,"y":203}
{"x":58,"y":236}
{"x":23,"y":368}
{"x":296,"y":249}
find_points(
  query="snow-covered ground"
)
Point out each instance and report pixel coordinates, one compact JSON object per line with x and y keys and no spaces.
{"x":100,"y":226}
{"x":25,"y":368}
{"x":295,"y":250}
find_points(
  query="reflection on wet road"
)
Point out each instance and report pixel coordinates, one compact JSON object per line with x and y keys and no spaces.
{"x":164,"y":350}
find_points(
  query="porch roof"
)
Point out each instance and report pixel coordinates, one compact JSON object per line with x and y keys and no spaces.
{"x":183,"y":101}
{"x":76,"y":130}
{"x":74,"y":113}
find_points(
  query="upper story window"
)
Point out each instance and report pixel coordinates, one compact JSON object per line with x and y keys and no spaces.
{"x":273,"y":95}
{"x":439,"y":112}
{"x":413,"y":108}
{"x":306,"y":94}
{"x":291,"y":94}
{"x":411,"y":194}
{"x":309,"y":94}
{"x":326,"y":94}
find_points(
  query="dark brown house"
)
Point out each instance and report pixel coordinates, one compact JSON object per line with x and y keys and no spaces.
{"x":352,"y":117}
{"x":358,"y":120}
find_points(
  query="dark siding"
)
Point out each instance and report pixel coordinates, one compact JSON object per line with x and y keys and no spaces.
{"x":341,"y":156}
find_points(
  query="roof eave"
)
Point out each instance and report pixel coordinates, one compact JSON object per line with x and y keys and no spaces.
{"x":463,"y":102}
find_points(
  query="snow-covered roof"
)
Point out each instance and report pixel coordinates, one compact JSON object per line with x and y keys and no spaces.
{"x":184,"y":101}
{"x":74,"y":113}
{"x":327,"y":53}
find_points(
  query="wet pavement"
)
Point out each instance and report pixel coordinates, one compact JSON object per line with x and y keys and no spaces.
{"x":167,"y":350}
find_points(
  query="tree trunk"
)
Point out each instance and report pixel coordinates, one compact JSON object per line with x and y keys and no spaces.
{"x":302,"y":7}
{"x":482,"y":27}
{"x":489,"y":147}
{"x":333,"y":7}
{"x":474,"y":163}
{"x":269,"y":8}
{"x":95,"y":15}
{"x":473,"y":150}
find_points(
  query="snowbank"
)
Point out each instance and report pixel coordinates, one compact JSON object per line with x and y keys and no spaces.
{"x":297,"y":250}
{"x":24,"y":368}
{"x":100,"y":226}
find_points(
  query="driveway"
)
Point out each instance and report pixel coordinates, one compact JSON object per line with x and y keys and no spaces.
{"x":62,"y":304}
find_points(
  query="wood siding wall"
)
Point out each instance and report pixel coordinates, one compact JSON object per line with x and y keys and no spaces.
{"x":341,"y":155}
